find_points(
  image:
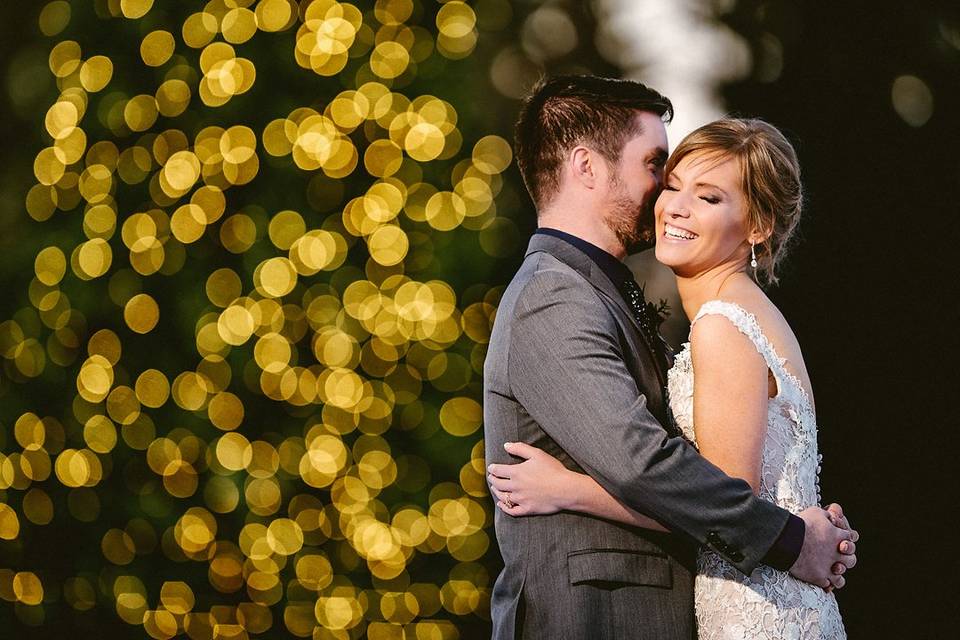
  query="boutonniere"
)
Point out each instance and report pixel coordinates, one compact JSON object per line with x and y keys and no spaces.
{"x":658,"y":312}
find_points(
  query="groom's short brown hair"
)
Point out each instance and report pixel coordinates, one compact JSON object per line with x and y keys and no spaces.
{"x":564,"y":111}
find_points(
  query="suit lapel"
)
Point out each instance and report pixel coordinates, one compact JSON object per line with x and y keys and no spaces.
{"x":581,"y":262}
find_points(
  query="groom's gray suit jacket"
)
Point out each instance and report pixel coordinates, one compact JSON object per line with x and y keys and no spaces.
{"x":569,"y":371}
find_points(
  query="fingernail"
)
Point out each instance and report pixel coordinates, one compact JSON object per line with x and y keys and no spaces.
{"x":507,"y":445}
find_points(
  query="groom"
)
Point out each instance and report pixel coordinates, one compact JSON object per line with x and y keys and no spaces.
{"x":575,"y":367}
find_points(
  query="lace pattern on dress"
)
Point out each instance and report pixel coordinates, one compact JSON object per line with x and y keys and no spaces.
{"x":768,"y":603}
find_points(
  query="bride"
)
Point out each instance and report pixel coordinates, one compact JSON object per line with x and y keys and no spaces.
{"x":738,"y":390}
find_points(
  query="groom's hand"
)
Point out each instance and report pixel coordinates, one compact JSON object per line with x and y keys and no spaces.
{"x":824,"y":547}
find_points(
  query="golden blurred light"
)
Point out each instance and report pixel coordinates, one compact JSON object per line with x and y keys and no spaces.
{"x":141,"y":313}
{"x":61,"y":119}
{"x":48,"y":167}
{"x":9,"y":522}
{"x":225,"y":411}
{"x":100,"y":434}
{"x":117,"y":547}
{"x":461,"y":416}
{"x":95,"y":379}
{"x":64,"y":58}
{"x":180,"y":173}
{"x":234,"y":451}
{"x":54,"y":17}
{"x":177,"y":597}
{"x":199,"y":29}
{"x":172,"y":98}
{"x":152,"y":388}
{"x":195,"y":530}
{"x":277,"y":277}
{"x":135,"y":8}
{"x":238,"y":233}
{"x":189,"y":391}
{"x":27,"y":588}
{"x":275,"y":15}
{"x":50,"y":266}
{"x":91,"y":259}
{"x":284,"y":536}
{"x":140,"y":112}
{"x":123,"y":406}
{"x":96,"y":73}
{"x":157,"y":47}
{"x":389,"y":59}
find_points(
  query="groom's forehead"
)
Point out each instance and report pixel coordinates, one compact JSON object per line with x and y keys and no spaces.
{"x":651,"y":125}
{"x":651,"y":133}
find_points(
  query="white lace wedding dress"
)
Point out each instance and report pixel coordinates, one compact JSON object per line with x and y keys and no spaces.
{"x":768,"y":604}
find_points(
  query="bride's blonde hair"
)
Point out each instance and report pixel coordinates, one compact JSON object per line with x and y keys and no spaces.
{"x":769,"y":179}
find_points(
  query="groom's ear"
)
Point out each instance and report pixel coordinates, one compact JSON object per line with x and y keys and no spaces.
{"x":584,"y":167}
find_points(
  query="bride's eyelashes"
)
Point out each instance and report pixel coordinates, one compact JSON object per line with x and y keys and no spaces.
{"x":710,"y":199}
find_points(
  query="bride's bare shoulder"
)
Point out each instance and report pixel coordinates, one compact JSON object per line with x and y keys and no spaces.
{"x":751,"y":298}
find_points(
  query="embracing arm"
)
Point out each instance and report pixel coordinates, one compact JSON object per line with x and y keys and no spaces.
{"x":566,"y":369}
{"x":542,"y":485}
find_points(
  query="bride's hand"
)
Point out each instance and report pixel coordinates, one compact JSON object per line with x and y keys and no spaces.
{"x":539,"y":485}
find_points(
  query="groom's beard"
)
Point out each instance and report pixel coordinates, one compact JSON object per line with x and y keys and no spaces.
{"x":631,"y":222}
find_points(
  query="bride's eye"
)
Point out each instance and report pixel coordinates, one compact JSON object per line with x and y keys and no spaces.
{"x":669,"y":187}
{"x":710,"y":199}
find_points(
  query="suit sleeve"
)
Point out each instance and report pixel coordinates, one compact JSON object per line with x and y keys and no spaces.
{"x":566,"y":369}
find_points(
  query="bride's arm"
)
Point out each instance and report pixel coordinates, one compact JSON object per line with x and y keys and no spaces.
{"x":730,"y":405}
{"x":542,"y":485}
{"x":730,"y":398}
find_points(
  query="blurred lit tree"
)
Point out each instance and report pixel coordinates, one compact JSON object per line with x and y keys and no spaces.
{"x":249,"y":289}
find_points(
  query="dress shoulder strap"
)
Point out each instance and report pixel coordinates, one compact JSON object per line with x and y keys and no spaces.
{"x":747,"y":323}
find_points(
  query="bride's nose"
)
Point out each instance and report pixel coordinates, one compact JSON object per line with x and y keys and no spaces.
{"x":677,"y":210}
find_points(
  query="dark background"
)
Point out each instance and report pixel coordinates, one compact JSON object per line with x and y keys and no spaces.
{"x":869,"y":289}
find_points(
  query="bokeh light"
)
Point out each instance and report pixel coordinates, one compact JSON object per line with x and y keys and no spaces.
{"x":247,"y":375}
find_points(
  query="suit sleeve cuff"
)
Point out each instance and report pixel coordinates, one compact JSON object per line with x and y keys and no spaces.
{"x":786,"y":548}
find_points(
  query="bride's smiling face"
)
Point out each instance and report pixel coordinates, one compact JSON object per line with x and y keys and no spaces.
{"x":701,"y":217}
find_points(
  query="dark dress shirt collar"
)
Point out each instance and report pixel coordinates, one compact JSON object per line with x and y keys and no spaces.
{"x":611,"y":266}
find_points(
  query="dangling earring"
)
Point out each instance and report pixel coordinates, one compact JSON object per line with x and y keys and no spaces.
{"x":753,"y":256}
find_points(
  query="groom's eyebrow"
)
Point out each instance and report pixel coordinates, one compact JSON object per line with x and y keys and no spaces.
{"x":659,"y":155}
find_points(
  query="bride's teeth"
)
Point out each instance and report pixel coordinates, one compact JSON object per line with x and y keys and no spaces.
{"x":674,"y":232}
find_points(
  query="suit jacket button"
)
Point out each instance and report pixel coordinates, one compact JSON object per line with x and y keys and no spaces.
{"x":735,"y":556}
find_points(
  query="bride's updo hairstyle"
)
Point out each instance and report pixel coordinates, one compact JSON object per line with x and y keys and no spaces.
{"x":769,"y":179}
